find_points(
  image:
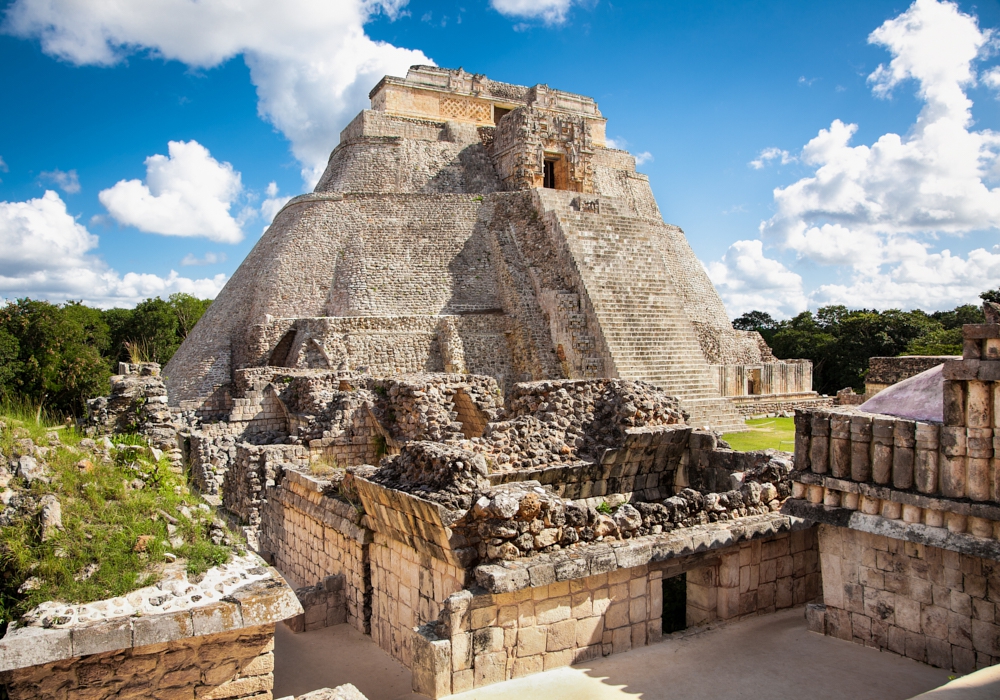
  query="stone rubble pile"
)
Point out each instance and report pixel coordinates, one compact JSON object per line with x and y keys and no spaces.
{"x":573,"y":420}
{"x":523,"y":518}
{"x":137,"y":404}
{"x":443,"y":473}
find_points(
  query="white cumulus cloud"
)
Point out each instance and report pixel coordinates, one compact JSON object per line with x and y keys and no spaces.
{"x":936,"y":179}
{"x":270,"y":207}
{"x":47,"y":254}
{"x":746,"y":280}
{"x":187,"y":193}
{"x":67,"y":182}
{"x":311,"y":61}
{"x":549,"y":11}
{"x":769,"y":154}
{"x":877,"y":211}
{"x":209,"y":258}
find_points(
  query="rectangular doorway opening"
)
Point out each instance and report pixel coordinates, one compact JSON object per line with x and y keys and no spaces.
{"x":675,"y":603}
{"x":498,"y":113}
{"x":550,"y":174}
{"x":754,"y":384}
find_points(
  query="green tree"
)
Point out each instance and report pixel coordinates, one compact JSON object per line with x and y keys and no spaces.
{"x":59,"y":363}
{"x":189,"y":310}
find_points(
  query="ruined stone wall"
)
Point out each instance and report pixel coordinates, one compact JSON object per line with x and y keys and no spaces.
{"x":254,"y":467}
{"x":485,"y":638}
{"x":932,"y":605}
{"x":615,"y":176}
{"x":883,"y":372}
{"x":408,"y":590}
{"x":311,"y":535}
{"x":237,"y":665}
{"x":756,"y":578}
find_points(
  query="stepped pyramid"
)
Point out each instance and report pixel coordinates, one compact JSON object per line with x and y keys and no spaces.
{"x":468,"y":225}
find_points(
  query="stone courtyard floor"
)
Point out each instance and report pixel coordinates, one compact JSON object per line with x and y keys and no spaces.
{"x":771,"y":656}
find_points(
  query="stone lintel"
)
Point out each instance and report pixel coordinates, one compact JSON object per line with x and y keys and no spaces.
{"x":980,"y":331}
{"x":987,"y":511}
{"x":658,"y":551}
{"x":897,"y":529}
{"x":972,"y":370}
{"x":259,"y":603}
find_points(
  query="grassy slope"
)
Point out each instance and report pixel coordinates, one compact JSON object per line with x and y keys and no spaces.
{"x":103,"y":517}
{"x":778,"y":433}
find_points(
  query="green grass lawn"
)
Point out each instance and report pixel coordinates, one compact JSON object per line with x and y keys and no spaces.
{"x":778,"y":433}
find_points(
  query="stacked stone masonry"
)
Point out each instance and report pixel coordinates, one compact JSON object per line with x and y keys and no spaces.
{"x":910,"y":541}
{"x":234,"y":665}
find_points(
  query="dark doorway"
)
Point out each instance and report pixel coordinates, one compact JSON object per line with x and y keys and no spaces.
{"x":550,"y":174}
{"x":280,"y":354}
{"x":498,"y":113}
{"x":674,"y":603}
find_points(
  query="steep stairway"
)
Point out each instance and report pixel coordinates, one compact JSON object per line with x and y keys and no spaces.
{"x":619,"y":258}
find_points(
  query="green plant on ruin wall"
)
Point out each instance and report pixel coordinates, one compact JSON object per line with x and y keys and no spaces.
{"x":381,"y":446}
{"x":114,"y":537}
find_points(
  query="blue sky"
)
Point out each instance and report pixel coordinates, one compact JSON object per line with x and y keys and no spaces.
{"x":169,"y":132}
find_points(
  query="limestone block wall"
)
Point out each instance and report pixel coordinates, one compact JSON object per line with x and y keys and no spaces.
{"x":930,"y":604}
{"x":793,"y":377}
{"x":379,"y":164}
{"x":323,"y":605}
{"x":312,"y":536}
{"x":237,"y":665}
{"x":485,"y":638}
{"x":255,"y":466}
{"x":408,"y":590}
{"x":750,"y":406}
{"x":756,"y":578}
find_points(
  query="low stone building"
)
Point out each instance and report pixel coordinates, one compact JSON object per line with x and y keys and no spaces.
{"x":909,"y":513}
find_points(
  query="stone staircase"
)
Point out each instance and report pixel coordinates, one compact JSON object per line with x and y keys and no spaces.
{"x":619,"y":258}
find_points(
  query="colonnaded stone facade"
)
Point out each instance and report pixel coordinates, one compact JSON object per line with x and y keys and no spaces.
{"x":465,"y":225}
{"x":909,"y":539}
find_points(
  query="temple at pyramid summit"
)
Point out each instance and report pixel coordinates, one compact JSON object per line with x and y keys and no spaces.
{"x":470,"y":226}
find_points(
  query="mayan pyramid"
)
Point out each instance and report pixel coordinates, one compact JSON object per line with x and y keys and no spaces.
{"x":467,"y":225}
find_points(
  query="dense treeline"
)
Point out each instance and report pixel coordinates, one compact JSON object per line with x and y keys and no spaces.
{"x":56,"y":356}
{"x":839,"y":341}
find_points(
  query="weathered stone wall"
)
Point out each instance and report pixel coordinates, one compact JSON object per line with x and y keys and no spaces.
{"x":408,"y":589}
{"x":235,"y":665}
{"x":323,"y":605}
{"x":885,"y":371}
{"x":312,"y":536}
{"x":752,"y":406}
{"x":932,"y":605}
{"x":756,"y":578}
{"x":254,"y":467}
{"x":485,"y":638}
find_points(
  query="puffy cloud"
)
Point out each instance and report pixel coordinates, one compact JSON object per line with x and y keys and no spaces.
{"x":925,"y":280}
{"x":769,"y":154}
{"x":47,"y":256}
{"x":549,"y":11}
{"x":934,"y":180}
{"x":270,"y":207}
{"x":747,"y":280}
{"x":643,"y":158}
{"x":187,"y":193}
{"x":310,"y":60}
{"x":67,"y":182}
{"x":878,"y":209}
{"x":209,"y":259}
